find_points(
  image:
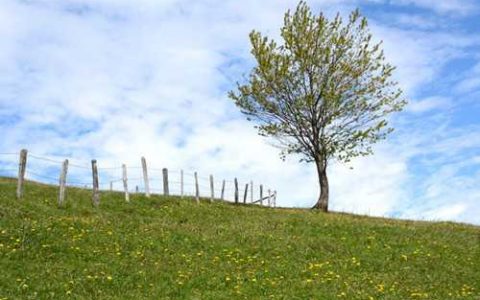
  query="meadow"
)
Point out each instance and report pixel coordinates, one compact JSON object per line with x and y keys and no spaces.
{"x":172,"y":248}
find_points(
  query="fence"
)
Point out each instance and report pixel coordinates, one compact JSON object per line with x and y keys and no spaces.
{"x":145,"y":180}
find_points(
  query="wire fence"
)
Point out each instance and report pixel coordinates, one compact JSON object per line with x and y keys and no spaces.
{"x":130,"y":180}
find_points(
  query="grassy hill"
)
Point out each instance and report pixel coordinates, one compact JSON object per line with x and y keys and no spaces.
{"x":168,"y":248}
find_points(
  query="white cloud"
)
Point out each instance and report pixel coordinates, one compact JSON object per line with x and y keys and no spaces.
{"x":428,"y":104}
{"x":411,"y":20}
{"x":371,"y":185}
{"x":116,"y":80}
{"x":420,"y":56}
{"x":470,"y":82}
{"x":462,"y":7}
{"x":447,"y":212}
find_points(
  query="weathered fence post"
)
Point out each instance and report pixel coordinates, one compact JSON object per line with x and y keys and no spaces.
{"x":145,"y":177}
{"x":261,"y":194}
{"x":125,"y":183}
{"x":245,"y":194}
{"x":166,"y":192}
{"x":212,"y":190}
{"x":197,"y":191}
{"x":236,"y":191}
{"x":274,"y":198}
{"x":222,"y":196}
{"x":96,"y":194}
{"x":136,"y":189}
{"x":22,"y":166}
{"x":62,"y":182}
{"x":251,"y":191}
{"x":181,"y":183}
{"x":269,"y":198}
{"x":111,"y":186}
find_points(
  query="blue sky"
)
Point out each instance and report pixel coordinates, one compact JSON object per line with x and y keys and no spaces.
{"x":118,"y":79}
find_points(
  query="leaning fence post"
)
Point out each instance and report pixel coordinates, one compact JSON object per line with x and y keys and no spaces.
{"x":251,"y":191}
{"x":125,"y":182}
{"x":95,"y":195}
{"x":181,"y":183}
{"x":261,"y":194}
{"x":166,"y":192}
{"x":145,"y":177}
{"x":245,"y":194}
{"x":236,"y":191}
{"x":269,"y":198}
{"x":22,"y":166}
{"x":212,"y":190}
{"x":61,"y":183}
{"x":223,"y":190}
{"x":197,"y":191}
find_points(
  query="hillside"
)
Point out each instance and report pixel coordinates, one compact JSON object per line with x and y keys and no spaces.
{"x":172,"y":248}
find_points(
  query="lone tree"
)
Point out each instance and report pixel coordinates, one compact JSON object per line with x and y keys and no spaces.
{"x":325,"y":92}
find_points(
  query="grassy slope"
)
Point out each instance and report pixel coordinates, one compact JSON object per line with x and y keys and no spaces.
{"x":166,"y":248}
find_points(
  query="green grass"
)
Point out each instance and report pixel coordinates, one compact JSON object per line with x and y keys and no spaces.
{"x":171,"y":248}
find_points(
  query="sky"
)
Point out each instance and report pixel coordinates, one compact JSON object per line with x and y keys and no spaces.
{"x":115,"y":80}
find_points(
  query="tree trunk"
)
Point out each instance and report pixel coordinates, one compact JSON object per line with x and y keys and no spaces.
{"x":322,"y":202}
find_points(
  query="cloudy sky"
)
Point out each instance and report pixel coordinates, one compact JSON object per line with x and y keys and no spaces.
{"x":118,"y":79}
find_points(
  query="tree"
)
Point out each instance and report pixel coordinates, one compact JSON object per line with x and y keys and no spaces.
{"x":324,"y":93}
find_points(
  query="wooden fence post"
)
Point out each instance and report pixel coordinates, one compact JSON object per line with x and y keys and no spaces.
{"x":136,"y":189}
{"x":212,"y":190}
{"x":95,"y":195}
{"x":245,"y":194}
{"x":62,"y":182}
{"x":223,"y":190}
{"x":125,"y":182}
{"x":269,"y":198}
{"x":166,"y":192}
{"x":236,"y":191}
{"x":274,"y":198}
{"x":181,"y":183}
{"x":111,"y":186}
{"x":22,"y":166}
{"x":261,"y":194}
{"x":197,"y":191}
{"x":145,"y":177}
{"x":251,"y":191}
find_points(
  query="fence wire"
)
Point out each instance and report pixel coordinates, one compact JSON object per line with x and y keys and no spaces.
{"x":45,"y":169}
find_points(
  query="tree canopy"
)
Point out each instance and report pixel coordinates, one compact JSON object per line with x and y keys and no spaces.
{"x":324,"y":92}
